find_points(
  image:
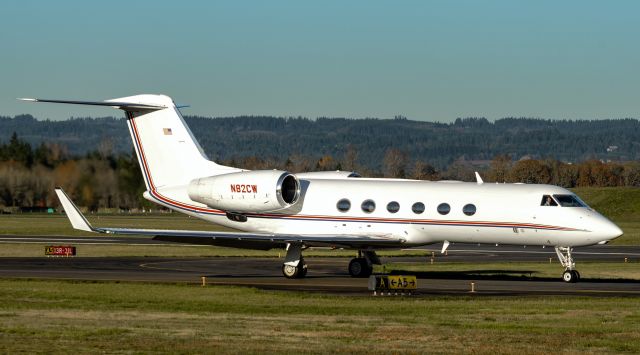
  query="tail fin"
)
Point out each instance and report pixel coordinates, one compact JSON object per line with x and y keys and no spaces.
{"x":167,"y":151}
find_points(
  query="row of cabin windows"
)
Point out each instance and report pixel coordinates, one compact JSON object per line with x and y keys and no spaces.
{"x":369,"y":206}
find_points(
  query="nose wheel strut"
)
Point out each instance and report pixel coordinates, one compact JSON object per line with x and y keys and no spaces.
{"x":570,"y":274}
{"x":294,"y":266}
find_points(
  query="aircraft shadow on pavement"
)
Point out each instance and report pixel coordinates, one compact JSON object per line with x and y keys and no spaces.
{"x":500,"y":275}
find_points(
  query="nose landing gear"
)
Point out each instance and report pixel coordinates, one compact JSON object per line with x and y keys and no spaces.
{"x":295,"y":272}
{"x":571,"y":276}
{"x":566,"y":260}
{"x":294,"y":266}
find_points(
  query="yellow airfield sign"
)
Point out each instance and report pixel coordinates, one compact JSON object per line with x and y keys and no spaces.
{"x":393,"y":283}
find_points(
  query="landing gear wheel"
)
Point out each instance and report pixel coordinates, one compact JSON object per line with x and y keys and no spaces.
{"x":289,"y":271}
{"x":571,"y":276}
{"x":303,"y":269}
{"x":359,"y":267}
{"x":295,"y":272}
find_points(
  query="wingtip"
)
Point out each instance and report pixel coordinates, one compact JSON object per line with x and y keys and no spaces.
{"x":78,"y":221}
{"x":27,"y":99}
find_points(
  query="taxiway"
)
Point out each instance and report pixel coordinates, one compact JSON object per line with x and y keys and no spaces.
{"x":326,"y":274}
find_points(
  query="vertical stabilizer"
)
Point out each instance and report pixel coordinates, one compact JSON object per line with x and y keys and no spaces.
{"x":167,"y":151}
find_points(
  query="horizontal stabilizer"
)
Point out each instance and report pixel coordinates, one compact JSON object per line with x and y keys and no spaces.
{"x":127,"y":106}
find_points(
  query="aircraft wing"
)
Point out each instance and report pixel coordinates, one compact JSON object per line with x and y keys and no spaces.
{"x":232,"y":239}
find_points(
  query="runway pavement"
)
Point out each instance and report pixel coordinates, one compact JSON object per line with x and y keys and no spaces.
{"x":328,"y":274}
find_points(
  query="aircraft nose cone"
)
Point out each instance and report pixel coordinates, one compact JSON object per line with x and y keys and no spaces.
{"x":610,"y":231}
{"x":615,"y":231}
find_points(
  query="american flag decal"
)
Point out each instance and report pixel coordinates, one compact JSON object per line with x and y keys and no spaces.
{"x":167,"y":131}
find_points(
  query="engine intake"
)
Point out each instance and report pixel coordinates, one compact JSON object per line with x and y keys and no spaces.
{"x":247,"y":191}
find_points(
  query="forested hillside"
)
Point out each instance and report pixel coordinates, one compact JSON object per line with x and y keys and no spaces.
{"x":104,"y":179}
{"x":474,"y":140}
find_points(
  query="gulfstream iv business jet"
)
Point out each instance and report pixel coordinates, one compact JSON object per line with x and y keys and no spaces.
{"x":278,"y":209}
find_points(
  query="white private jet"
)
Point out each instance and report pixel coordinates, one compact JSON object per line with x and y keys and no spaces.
{"x":278,"y":209}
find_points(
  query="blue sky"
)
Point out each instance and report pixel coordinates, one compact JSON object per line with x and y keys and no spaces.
{"x":426,"y":60}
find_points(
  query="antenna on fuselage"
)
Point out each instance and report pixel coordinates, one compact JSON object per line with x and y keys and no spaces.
{"x":445,"y":245}
{"x":479,"y":179}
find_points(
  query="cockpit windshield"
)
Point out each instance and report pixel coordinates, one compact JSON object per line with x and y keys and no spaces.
{"x":569,"y":201}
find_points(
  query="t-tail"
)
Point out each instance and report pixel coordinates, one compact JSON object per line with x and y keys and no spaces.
{"x":168,"y":153}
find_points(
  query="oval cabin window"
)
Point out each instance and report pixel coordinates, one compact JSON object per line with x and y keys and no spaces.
{"x":418,"y":207}
{"x":368,"y":206}
{"x":444,"y":208}
{"x":469,"y":209}
{"x":393,"y":207}
{"x":343,"y":205}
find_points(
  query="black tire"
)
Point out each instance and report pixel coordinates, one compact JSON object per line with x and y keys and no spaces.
{"x":290,"y":272}
{"x":295,"y":272}
{"x":303,"y":269}
{"x":359,"y":267}
{"x":577,"y":275}
{"x":569,"y":276}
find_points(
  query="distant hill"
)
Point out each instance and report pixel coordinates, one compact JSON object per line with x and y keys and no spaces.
{"x":471,"y":139}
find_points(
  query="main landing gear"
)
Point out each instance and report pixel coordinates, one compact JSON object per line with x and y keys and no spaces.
{"x":294,"y":266}
{"x":362,"y":266}
{"x":566,"y":260}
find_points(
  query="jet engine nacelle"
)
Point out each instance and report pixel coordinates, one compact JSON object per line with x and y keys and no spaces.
{"x":247,"y":191}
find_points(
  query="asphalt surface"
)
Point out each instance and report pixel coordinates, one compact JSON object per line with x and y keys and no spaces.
{"x":325,"y":274}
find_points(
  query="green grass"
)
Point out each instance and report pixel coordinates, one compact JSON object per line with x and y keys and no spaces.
{"x":617,"y":203}
{"x":64,"y":317}
{"x":180,"y":250}
{"x":58,"y":224}
{"x":620,"y":204}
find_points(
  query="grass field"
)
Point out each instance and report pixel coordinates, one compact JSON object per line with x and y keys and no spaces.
{"x":621,"y":205}
{"x":58,"y":224}
{"x":63,"y":317}
{"x":180,"y":250}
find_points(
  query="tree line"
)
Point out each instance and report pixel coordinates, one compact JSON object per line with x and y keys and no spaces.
{"x":441,"y":144}
{"x":99,"y":179}
{"x":103,"y":179}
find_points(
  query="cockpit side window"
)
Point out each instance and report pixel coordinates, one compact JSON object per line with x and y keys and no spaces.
{"x":547,"y":200}
{"x":569,"y":201}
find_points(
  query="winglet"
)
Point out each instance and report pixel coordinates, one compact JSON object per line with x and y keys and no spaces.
{"x":479,"y":179}
{"x":75,"y":217}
